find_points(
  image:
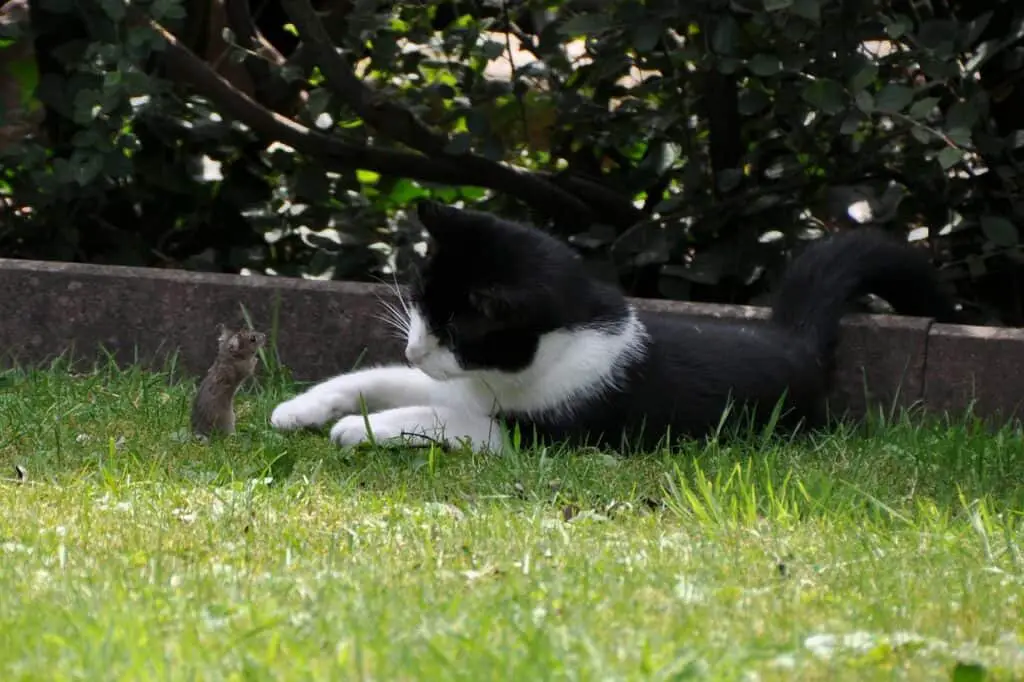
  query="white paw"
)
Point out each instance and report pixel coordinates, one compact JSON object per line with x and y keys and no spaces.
{"x":351,"y":430}
{"x":303,"y":411}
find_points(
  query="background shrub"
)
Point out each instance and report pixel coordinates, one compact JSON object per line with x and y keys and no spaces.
{"x":686,"y":148}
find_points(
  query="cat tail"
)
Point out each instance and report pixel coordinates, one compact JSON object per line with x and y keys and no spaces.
{"x":822,"y":281}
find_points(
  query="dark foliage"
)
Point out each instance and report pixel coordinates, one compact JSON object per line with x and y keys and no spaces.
{"x":686,"y":149}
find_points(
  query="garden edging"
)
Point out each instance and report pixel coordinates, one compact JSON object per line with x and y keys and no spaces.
{"x":145,"y":314}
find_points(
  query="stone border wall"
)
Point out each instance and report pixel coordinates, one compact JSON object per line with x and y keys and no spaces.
{"x":142,"y":314}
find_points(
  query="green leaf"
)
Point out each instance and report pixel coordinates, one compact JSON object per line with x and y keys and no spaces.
{"x":923,"y":107}
{"x":976,"y":27}
{"x":406,"y":190}
{"x":864,"y":101}
{"x":922,"y":135}
{"x":659,"y":158}
{"x":938,"y":35}
{"x":85,"y":167}
{"x":726,"y":36}
{"x":897,"y":25}
{"x":865,"y":77}
{"x":808,"y":9}
{"x":962,"y":115}
{"x":893,"y":98}
{"x":776,"y":5}
{"x":1000,"y":231}
{"x":960,"y":136}
{"x":825,"y":95}
{"x":26,"y":75}
{"x":646,"y":35}
{"x":764,"y":65}
{"x":851,"y":123}
{"x":492,"y":49}
{"x":949,"y":157}
{"x":318,"y":101}
{"x":114,"y":9}
{"x":585,"y":24}
{"x":752,"y":101}
{"x":969,"y":672}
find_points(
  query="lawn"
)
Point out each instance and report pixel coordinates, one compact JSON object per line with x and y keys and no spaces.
{"x":129,"y":551}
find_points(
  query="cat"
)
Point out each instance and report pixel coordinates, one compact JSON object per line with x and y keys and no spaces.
{"x":507,"y":331}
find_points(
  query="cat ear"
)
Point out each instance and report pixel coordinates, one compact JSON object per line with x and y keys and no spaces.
{"x":440,"y":221}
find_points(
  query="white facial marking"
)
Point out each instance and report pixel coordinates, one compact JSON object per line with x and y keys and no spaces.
{"x":418,"y":343}
{"x":424,"y":351}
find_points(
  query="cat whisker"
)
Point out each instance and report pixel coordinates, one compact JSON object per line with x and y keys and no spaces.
{"x":397,"y":288}
{"x":396,"y":315}
{"x":395,"y":326}
{"x":393,"y":318}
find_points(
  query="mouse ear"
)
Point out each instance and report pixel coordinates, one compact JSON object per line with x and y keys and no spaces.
{"x":222,"y":333}
{"x":234,"y":343}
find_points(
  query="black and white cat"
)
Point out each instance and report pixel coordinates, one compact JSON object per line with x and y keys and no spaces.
{"x":504,"y":327}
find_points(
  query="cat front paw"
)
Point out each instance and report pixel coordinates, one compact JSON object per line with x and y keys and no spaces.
{"x":351,"y":430}
{"x":385,"y":428}
{"x":304,"y":411}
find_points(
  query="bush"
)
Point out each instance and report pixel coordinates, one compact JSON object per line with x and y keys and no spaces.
{"x":687,"y":149}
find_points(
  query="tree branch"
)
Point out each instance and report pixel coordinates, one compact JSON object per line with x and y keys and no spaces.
{"x":389,"y":118}
{"x":614,"y":208}
{"x":398,"y":123}
{"x":338,"y":155}
{"x":269,"y":87}
{"x":247,"y":33}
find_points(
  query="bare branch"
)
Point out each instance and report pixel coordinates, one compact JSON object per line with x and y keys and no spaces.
{"x":335,"y":153}
{"x":397,"y":122}
{"x":389,"y":118}
{"x":269,"y":87}
{"x":338,"y":155}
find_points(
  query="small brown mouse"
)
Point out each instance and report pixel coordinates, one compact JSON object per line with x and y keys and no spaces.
{"x":213,"y":409}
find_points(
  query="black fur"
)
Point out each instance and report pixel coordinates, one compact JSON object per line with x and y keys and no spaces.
{"x":492,"y":287}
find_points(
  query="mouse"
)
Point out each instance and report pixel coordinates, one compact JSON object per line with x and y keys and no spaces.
{"x":213,"y":409}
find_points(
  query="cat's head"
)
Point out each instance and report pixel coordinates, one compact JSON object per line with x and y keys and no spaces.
{"x":489,"y":291}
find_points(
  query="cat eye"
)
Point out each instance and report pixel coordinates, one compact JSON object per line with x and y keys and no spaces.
{"x":446,"y":333}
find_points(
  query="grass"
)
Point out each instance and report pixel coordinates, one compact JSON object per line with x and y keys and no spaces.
{"x":131,"y":552}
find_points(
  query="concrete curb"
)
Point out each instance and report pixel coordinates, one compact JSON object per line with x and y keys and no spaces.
{"x":144,"y":315}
